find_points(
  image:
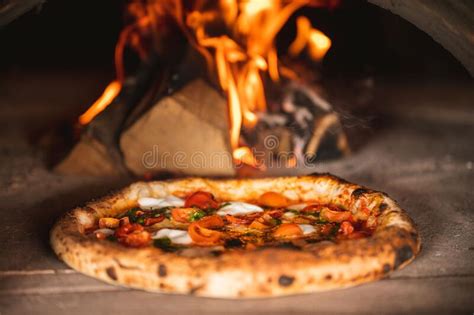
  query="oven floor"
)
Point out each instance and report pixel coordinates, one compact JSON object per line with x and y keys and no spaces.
{"x":423,"y":156}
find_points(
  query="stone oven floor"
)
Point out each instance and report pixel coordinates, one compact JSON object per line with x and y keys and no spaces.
{"x":423,"y":156}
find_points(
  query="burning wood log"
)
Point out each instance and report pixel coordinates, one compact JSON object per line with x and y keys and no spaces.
{"x":305,"y":127}
{"x":99,"y":138}
{"x":195,"y":131}
{"x":330,"y":127}
{"x":185,"y":133}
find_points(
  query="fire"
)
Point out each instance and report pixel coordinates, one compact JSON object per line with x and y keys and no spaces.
{"x":244,"y":155}
{"x":317,"y":43}
{"x":241,"y":55}
{"x":109,"y":94}
{"x":246,"y":54}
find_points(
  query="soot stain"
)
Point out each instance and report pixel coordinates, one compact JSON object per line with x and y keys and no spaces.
{"x":285,"y":280}
{"x":111,"y":273}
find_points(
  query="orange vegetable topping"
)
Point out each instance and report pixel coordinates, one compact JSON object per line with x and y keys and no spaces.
{"x":288,"y":230}
{"x":201,"y":231}
{"x":273,"y":199}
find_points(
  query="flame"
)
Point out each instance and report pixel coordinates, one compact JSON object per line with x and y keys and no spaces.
{"x":110,"y":92}
{"x":245,"y":156}
{"x":241,"y":55}
{"x":291,"y":162}
{"x":317,"y":43}
{"x":246,"y":54}
{"x":303,"y":28}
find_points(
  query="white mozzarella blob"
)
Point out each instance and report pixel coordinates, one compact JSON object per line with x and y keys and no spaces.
{"x":298,"y":207}
{"x":307,"y":229}
{"x":175,"y":236}
{"x":147,"y":203}
{"x":238,"y":208}
{"x":172,"y":201}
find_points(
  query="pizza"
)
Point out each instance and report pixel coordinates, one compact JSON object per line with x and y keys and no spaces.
{"x":238,"y":238}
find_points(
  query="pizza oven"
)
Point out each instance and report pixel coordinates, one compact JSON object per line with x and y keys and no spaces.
{"x":97,"y":94}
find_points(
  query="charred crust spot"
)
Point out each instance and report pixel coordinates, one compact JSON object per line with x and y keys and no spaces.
{"x":328,"y":277}
{"x":383,"y":206}
{"x":285,"y":280}
{"x":289,"y":245}
{"x":402,"y":254}
{"x":386,"y":268}
{"x":193,"y":290}
{"x":111,"y":273}
{"x":359,"y":192}
{"x":269,"y":279}
{"x":162,"y":270}
{"x":233,"y":242}
{"x":216,"y":253}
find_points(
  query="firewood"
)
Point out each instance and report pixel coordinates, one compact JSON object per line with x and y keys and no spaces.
{"x":100,"y":136}
{"x":89,"y":157}
{"x":329,"y":126}
{"x":185,"y":133}
{"x":306,"y":127}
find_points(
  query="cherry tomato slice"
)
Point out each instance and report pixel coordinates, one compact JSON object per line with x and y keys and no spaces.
{"x":201,"y":233}
{"x":133,"y":235}
{"x":312,"y":208}
{"x":151,"y":221}
{"x":182,"y":215}
{"x":201,"y":200}
{"x":211,"y":222}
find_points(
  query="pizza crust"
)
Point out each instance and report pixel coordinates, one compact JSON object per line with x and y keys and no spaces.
{"x":263,"y":272}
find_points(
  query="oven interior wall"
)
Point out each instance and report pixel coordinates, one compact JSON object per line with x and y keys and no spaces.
{"x":420,"y":152}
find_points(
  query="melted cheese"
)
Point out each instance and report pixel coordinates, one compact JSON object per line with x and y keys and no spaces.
{"x":175,"y":236}
{"x":239,"y":208}
{"x":307,"y":229}
{"x":156,"y":203}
